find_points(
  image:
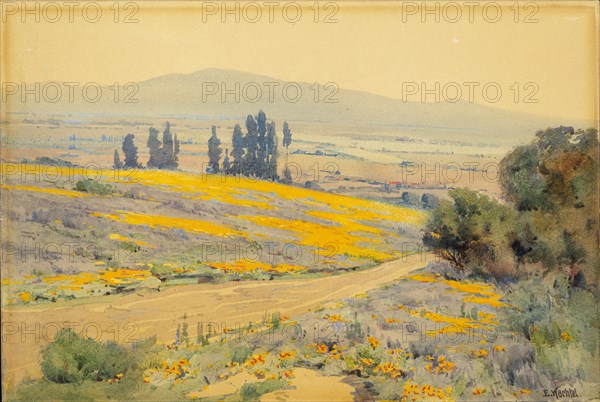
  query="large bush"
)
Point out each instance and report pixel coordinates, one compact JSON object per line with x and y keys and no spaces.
{"x":470,"y":230}
{"x":553,"y":182}
{"x":551,"y":220}
{"x":72,"y":358}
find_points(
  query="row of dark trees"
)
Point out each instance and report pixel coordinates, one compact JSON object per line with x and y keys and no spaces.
{"x":254,"y":153}
{"x":163,"y":155}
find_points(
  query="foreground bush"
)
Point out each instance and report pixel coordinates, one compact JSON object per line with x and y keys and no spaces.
{"x":72,"y":359}
{"x":560,"y":323}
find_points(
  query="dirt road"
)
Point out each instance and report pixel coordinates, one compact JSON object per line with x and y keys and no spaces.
{"x":26,"y":329}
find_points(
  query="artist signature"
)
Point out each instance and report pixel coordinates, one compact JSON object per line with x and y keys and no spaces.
{"x":559,"y":393}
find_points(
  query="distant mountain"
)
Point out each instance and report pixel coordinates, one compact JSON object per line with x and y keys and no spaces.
{"x":200,"y":95}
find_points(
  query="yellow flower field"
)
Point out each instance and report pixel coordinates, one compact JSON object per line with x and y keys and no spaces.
{"x":153,"y":221}
{"x":479,"y":294}
{"x":199,"y":223}
{"x":110,"y":276}
{"x":249,"y":266}
{"x":45,"y":190}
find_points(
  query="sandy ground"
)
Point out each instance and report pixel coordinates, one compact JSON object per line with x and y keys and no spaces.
{"x":310,"y":385}
{"x":26,"y":330}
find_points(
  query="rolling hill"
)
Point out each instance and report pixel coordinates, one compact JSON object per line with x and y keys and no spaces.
{"x":199,"y":96}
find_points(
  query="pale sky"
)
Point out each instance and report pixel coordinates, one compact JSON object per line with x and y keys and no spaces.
{"x":374,"y":48}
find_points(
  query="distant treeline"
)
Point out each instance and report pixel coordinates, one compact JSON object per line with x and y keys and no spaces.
{"x":254,"y":153}
{"x":163,"y":155}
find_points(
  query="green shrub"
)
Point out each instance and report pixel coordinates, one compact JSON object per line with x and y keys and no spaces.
{"x":131,"y":247}
{"x":470,"y":230}
{"x":276,"y":319}
{"x":161,"y":272}
{"x":72,"y":358}
{"x":241,"y":354}
{"x":45,"y":160}
{"x":560,"y":324}
{"x":93,"y":187}
{"x":253,"y":391}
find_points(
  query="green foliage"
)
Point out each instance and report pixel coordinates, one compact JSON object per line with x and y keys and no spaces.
{"x":558,"y":170}
{"x":45,"y":160}
{"x":201,"y":338}
{"x":552,"y":183}
{"x":253,"y":391}
{"x":241,"y":354}
{"x":521,"y":180}
{"x":354,"y":330}
{"x":131,"y":247}
{"x":276,"y":319}
{"x":559,"y":323}
{"x":72,"y":358}
{"x":161,"y":272}
{"x":93,"y":187}
{"x":469,"y":230}
{"x":527,"y":244}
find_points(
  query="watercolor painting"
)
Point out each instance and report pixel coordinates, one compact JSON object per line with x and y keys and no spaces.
{"x":299,"y":201}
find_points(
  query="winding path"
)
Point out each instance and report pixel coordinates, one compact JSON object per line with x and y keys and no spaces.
{"x":26,"y":329}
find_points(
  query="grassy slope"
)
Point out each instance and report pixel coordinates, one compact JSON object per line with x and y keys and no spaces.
{"x":182,"y":227}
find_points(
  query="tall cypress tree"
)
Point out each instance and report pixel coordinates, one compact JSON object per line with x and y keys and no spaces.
{"x":271,"y":152}
{"x":287,"y":135}
{"x":214,"y":151}
{"x":261,"y":157}
{"x":154,"y":144}
{"x":167,"y":149}
{"x":226,"y":161}
{"x":238,"y":150}
{"x":117,"y":160}
{"x":175,"y":163}
{"x":130,"y":151}
{"x":250,"y":161}
{"x":287,"y":140}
